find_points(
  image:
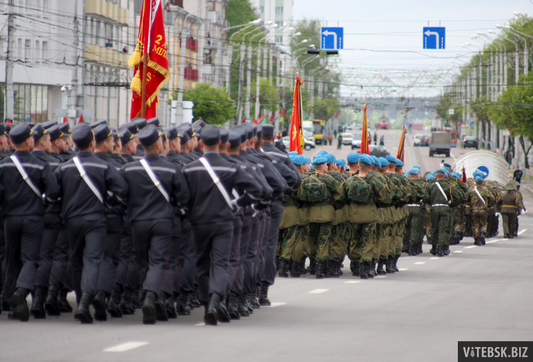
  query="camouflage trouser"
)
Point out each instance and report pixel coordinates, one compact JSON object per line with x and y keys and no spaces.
{"x":398,"y":238}
{"x":428,"y":223}
{"x":440,"y":223}
{"x":321,"y":237}
{"x":415,"y":224}
{"x":339,"y":241}
{"x":361,"y":242}
{"x":509,"y":223}
{"x":391,"y":249}
{"x":458,"y":221}
{"x":479,"y":222}
{"x":384,"y":240}
{"x":468,"y":221}
{"x":292,"y":247}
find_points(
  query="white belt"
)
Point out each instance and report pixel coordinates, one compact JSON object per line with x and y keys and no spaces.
{"x":440,"y":205}
{"x":414,"y":205}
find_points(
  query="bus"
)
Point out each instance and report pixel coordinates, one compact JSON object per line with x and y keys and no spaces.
{"x":318,"y":130}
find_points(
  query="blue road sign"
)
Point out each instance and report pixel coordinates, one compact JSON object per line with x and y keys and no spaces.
{"x":332,"y":38}
{"x":434,"y":38}
{"x":484,"y":170}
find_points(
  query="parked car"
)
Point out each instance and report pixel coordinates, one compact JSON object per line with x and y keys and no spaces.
{"x":358,"y":127}
{"x":421,"y":140}
{"x":378,"y":151}
{"x":347,"y":138}
{"x":470,"y":141}
{"x":356,"y":140}
{"x":308,"y":145}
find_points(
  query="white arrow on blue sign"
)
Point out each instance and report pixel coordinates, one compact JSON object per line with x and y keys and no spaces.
{"x":434,"y":37}
{"x":332,"y":38}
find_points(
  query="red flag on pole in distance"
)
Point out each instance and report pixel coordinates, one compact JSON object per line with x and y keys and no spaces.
{"x":401,"y":147}
{"x":463,"y":178}
{"x":150,"y":61}
{"x":364,"y":137}
{"x":81,"y":119}
{"x":296,"y":134}
{"x":65,"y":120}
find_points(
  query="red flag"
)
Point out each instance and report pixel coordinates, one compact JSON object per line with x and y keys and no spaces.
{"x":262,"y":119}
{"x":81,"y":119}
{"x":364,"y":138}
{"x":463,"y":178}
{"x":402,"y":144}
{"x":272,"y":117}
{"x":296,"y":135}
{"x":254,"y":121}
{"x":65,"y":120}
{"x":283,"y":113}
{"x":151,"y":46}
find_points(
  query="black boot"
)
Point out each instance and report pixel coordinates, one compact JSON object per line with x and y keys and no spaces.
{"x":413,"y":250}
{"x":160,"y":310}
{"x":210,"y":317}
{"x":37,"y":305}
{"x":433,"y":250}
{"x":263,"y":296}
{"x":195,"y":303}
{"x":312,"y":266}
{"x":283,"y":268}
{"x":243,"y":307}
{"x":18,"y":299}
{"x":233,"y":306}
{"x":303,"y":271}
{"x":440,"y":250}
{"x":83,"y":314}
{"x":355,"y":267}
{"x":333,"y":268}
{"x":388,"y":266}
{"x":222,"y":311}
{"x":420,"y":250}
{"x":320,"y":270}
{"x":64,"y":305}
{"x":369,"y":270}
{"x":363,"y":270}
{"x":184,"y":306}
{"x":276,"y":262}
{"x":127,"y":306}
{"x":395,"y":263}
{"x":252,"y":300}
{"x":114,"y":304}
{"x":163,"y":305}
{"x":148,"y":308}
{"x":295,"y":269}
{"x":51,"y":306}
{"x":446,"y":250}
{"x":372,"y":269}
{"x":381,"y":263}
{"x":100,"y":306}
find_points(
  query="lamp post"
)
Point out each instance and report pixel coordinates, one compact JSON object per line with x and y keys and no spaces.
{"x":526,"y":58}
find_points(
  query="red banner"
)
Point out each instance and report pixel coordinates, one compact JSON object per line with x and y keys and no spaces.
{"x":463,"y":177}
{"x":401,"y":147}
{"x":296,"y":135}
{"x":364,"y":137}
{"x":152,"y":47}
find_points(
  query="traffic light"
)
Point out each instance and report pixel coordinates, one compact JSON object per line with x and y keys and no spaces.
{"x":313,"y":51}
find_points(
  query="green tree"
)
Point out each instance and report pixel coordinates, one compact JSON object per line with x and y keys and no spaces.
{"x":269,"y":96}
{"x":211,"y":104}
{"x":324,"y":108}
{"x":239,"y":12}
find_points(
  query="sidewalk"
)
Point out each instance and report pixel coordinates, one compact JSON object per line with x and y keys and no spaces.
{"x":527,"y":193}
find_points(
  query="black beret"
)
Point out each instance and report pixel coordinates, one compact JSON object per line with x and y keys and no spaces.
{"x":65,"y":128}
{"x":38,"y":132}
{"x":125,"y":135}
{"x":249,"y":131}
{"x":234,"y":137}
{"x":2,"y":129}
{"x":8,"y":128}
{"x":210,"y":135}
{"x":154,"y":121}
{"x":101,"y":133}
{"x":139,"y":123}
{"x":268,"y":130}
{"x":172,"y":133}
{"x":55,"y":133}
{"x":148,"y":135}
{"x":20,"y":133}
{"x":98,"y":123}
{"x":224,"y":133}
{"x":82,"y":134}
{"x":199,"y":124}
{"x":48,"y":124}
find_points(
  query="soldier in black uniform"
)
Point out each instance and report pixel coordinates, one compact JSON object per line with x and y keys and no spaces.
{"x":4,"y":300}
{"x":139,"y":124}
{"x":88,"y":185}
{"x":25,"y":179}
{"x":212,"y":216}
{"x":156,"y":187}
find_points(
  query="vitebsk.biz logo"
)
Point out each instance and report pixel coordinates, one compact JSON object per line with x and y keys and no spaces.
{"x":497,"y":351}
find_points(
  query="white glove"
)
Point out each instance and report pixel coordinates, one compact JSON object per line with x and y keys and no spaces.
{"x":523,"y":212}
{"x":497,"y":214}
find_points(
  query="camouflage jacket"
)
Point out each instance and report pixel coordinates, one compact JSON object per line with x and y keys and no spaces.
{"x":475,"y":202}
{"x":380,"y":189}
{"x":401,"y":195}
{"x":433,"y":195}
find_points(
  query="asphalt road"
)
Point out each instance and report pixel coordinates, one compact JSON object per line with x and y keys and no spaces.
{"x":419,"y":314}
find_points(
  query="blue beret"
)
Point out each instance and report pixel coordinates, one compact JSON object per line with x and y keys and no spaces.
{"x":353,"y":157}
{"x":366,"y":159}
{"x":340,"y":162}
{"x":383,"y":162}
{"x":442,"y":170}
{"x":319,"y":160}
{"x":322,"y":153}
{"x":391,"y":159}
{"x":447,"y":170}
{"x":457,"y":174}
{"x":414,"y":171}
{"x":447,"y":164}
{"x":330,"y":158}
{"x":311,"y":167}
{"x":430,"y":177}
{"x":375,"y":160}
{"x":307,"y":160}
{"x":478,"y":173}
{"x":298,"y":160}
{"x":417,"y":166}
{"x":399,"y":163}
{"x":479,"y":178}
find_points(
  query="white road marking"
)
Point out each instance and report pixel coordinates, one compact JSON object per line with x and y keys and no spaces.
{"x":123,"y":347}
{"x":491,"y":241}
{"x":458,"y":251}
{"x":521,"y":232}
{"x":352,"y":281}
{"x":274,"y":305}
{"x":402,"y":269}
{"x":471,"y":247}
{"x":420,"y":262}
{"x":318,"y":291}
{"x":381,"y":276}
{"x":435,"y":258}
{"x":199,"y":325}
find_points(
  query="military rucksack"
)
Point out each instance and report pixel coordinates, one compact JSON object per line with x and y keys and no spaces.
{"x":316,"y":190}
{"x":358,"y":191}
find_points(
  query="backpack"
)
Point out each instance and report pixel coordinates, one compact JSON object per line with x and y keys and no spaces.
{"x":315,"y":190}
{"x":358,"y":191}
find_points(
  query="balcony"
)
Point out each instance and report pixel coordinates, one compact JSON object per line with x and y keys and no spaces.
{"x":191,"y":74}
{"x":107,"y":10}
{"x":191,"y":44}
{"x":106,"y":56}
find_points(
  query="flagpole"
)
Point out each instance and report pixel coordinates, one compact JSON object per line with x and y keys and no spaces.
{"x":143,"y":86}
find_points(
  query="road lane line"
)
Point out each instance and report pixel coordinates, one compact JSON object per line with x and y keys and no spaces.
{"x":352,"y":281}
{"x":491,"y":241}
{"x":402,"y":269}
{"x":458,"y":251}
{"x":435,"y":258}
{"x":420,"y":262}
{"x":123,"y":347}
{"x":521,"y":232}
{"x":471,"y":247}
{"x":318,"y":291}
{"x":381,"y":276}
{"x":199,"y":325}
{"x":274,"y":305}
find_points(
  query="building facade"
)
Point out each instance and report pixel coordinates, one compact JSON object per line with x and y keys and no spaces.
{"x":280,"y":13}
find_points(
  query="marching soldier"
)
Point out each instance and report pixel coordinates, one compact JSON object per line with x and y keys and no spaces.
{"x":438,"y":195}
{"x":416,"y":218}
{"x":480,"y":200}
{"x":511,"y":204}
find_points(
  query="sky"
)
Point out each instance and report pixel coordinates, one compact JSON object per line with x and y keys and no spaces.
{"x":383,"y":40}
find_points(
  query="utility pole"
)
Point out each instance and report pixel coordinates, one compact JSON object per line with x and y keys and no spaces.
{"x":258,"y":81}
{"x":228,"y":68}
{"x":9,"y":109}
{"x":247,"y":105}
{"x":241,"y":75}
{"x":73,"y":95}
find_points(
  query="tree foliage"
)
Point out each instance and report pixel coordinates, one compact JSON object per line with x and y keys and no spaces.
{"x":211,"y":104}
{"x":324,"y":108}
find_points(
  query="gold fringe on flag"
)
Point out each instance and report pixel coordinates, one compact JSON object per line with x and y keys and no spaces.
{"x":136,"y":83}
{"x":135,"y":58}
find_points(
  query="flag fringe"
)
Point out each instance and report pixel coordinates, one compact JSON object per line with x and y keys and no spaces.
{"x":135,"y":58}
{"x":136,"y":84}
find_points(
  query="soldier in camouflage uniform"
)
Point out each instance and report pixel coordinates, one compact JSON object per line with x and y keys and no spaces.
{"x":338,"y":241}
{"x":458,"y":217}
{"x":416,"y":218}
{"x":510,"y":205}
{"x":480,"y":200}
{"x":468,"y":212}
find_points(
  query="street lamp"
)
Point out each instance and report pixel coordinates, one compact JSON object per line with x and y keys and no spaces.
{"x":515,"y":33}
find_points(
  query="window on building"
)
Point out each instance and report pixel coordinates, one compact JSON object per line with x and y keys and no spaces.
{"x":279,"y":24}
{"x":279,"y":39}
{"x":108,"y":36}
{"x":44,"y":52}
{"x":262,"y":9}
{"x":27,"y":50}
{"x":37,"y":50}
{"x":279,"y":9}
{"x":18,"y":51}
